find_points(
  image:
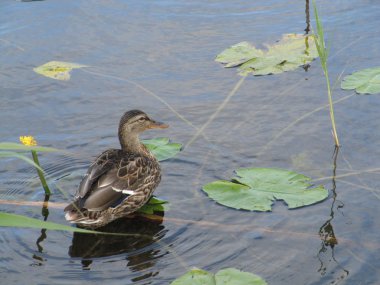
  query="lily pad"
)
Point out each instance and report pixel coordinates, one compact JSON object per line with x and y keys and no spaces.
{"x":223,"y":277}
{"x":292,"y":51}
{"x":366,"y":81}
{"x":58,"y":70}
{"x":154,"y":205}
{"x":162,"y":148}
{"x":256,"y":189}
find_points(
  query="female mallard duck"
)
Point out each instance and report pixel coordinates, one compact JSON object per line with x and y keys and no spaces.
{"x":120,"y":181}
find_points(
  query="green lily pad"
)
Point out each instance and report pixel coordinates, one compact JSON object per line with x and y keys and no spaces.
{"x":195,"y":277}
{"x":154,"y":205}
{"x":292,"y":51}
{"x":162,"y":148}
{"x":256,"y":189}
{"x":237,"y":277}
{"x":18,"y":221}
{"x":366,"y":81}
{"x":238,"y":54}
{"x":228,"y":276}
{"x":58,"y":70}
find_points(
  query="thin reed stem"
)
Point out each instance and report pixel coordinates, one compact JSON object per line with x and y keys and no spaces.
{"x":323,"y":55}
{"x":215,"y":114}
{"x":40,"y":173}
{"x":149,"y":92}
{"x":331,"y":108}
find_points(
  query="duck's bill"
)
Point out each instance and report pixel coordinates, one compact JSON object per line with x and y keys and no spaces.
{"x":158,"y":125}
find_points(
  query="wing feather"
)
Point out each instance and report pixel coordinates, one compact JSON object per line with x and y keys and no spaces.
{"x":101,"y":165}
{"x":108,"y":184}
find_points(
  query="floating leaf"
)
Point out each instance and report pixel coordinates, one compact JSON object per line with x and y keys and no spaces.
{"x":195,"y":277}
{"x":153,"y":205}
{"x":18,"y":221}
{"x":162,"y":148}
{"x":59,"y":70}
{"x":366,"y":81}
{"x":228,"y":276}
{"x":238,"y":54}
{"x":256,"y":189}
{"x":237,"y":277}
{"x":292,"y":51}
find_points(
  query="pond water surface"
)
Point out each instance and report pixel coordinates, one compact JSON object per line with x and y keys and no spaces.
{"x":139,"y":49}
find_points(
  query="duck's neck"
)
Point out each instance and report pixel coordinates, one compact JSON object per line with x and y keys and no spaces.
{"x":130,"y":142}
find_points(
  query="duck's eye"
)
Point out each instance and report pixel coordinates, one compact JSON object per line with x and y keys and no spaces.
{"x":142,"y":119}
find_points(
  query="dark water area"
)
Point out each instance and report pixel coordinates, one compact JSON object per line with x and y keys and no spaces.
{"x":137,"y":50}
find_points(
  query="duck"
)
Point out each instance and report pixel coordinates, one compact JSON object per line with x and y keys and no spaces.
{"x":119,"y":181}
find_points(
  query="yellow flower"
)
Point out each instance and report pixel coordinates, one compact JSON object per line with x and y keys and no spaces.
{"x":28,"y":140}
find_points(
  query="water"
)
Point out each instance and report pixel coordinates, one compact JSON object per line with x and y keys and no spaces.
{"x":168,"y":47}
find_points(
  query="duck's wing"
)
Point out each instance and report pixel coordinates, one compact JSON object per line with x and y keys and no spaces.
{"x":102,"y":164}
{"x":127,"y":178}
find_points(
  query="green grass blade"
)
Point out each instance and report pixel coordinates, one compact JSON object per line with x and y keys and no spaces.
{"x":18,"y":221}
{"x":20,"y":156}
{"x":41,"y":173}
{"x":21,"y":147}
{"x":323,"y":55}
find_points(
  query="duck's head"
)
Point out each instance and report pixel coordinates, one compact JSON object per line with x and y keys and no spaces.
{"x":134,"y":122}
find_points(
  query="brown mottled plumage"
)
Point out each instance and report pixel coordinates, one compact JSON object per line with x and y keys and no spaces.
{"x":120,"y":181}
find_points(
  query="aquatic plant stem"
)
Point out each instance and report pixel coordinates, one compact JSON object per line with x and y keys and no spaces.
{"x":218,"y":110}
{"x":323,"y":55}
{"x":331,"y":108}
{"x":40,"y":173}
{"x":303,"y":117}
{"x":371,"y":170}
{"x":363,"y":184}
{"x":149,"y":92}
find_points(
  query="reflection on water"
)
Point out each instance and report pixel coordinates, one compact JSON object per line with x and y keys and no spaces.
{"x":326,"y":254}
{"x":45,"y":213}
{"x":307,"y":12}
{"x":169,"y":47}
{"x":142,"y":233}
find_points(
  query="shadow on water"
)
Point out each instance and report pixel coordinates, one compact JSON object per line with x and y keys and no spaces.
{"x":141,"y":234}
{"x":45,"y":213}
{"x":307,"y":12}
{"x":326,"y":254}
{"x":144,"y":232}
